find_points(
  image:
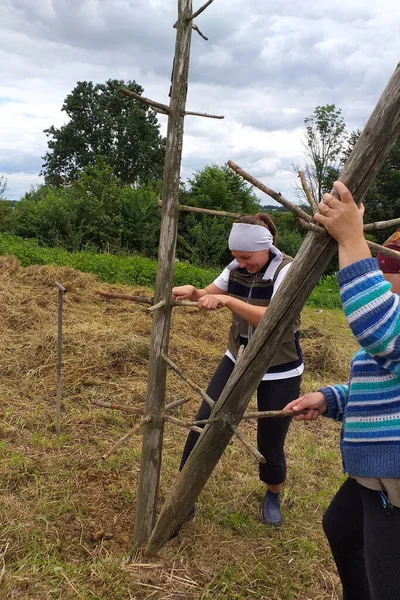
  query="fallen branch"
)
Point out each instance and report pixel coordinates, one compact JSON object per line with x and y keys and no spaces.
{"x":193,"y":385}
{"x":163,"y":108}
{"x":311,"y":200}
{"x":275,"y":195}
{"x":131,"y":432}
{"x":206,"y":211}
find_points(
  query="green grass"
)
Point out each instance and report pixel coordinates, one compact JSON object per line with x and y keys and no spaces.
{"x":137,"y":270}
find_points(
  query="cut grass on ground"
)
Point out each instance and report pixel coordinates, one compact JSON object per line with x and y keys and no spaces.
{"x":68,"y":516}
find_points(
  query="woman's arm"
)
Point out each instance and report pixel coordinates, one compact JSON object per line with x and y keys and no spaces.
{"x":252,"y":314}
{"x":189,"y":292}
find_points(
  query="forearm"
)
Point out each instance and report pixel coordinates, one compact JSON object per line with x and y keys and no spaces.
{"x":352,"y":251}
{"x":252,"y":314}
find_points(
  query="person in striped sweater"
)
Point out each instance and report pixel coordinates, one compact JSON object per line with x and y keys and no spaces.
{"x":362,"y":523}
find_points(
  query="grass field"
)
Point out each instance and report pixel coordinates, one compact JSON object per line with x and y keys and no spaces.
{"x":67,"y":516}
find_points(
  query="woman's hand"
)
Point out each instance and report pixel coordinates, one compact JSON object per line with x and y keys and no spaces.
{"x":183,"y":292}
{"x":314,"y":402}
{"x":343,"y":219}
{"x":213,"y":301}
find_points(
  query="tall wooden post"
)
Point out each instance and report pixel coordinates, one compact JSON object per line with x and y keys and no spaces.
{"x":153,"y":431}
{"x":373,"y":146}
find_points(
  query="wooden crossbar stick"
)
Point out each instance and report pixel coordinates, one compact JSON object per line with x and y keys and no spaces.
{"x":176,"y":403}
{"x":311,"y":200}
{"x":247,"y":444}
{"x":193,"y":385}
{"x":206,"y":211}
{"x":174,"y":421}
{"x":381,"y":225}
{"x":200,"y":10}
{"x":146,"y":300}
{"x":163,"y":108}
{"x":128,"y":409}
{"x":275,"y":195}
{"x":130,"y":433}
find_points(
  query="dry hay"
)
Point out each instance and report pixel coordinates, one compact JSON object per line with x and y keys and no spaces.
{"x":67,"y":516}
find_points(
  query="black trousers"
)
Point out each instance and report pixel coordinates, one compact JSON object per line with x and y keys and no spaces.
{"x":363,"y":530}
{"x":271,"y":433}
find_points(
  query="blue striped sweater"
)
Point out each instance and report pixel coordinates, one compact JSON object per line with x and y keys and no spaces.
{"x":369,"y":405}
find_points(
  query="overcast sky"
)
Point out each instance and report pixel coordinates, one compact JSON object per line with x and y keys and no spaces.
{"x":266,"y":66}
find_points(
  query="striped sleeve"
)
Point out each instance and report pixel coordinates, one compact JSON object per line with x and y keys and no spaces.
{"x":336,"y":399}
{"x":373,"y":312}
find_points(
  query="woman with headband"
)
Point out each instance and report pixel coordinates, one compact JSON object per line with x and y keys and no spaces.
{"x":246,"y":287}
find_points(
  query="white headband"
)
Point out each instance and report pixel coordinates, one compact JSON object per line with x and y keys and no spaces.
{"x":249,"y":238}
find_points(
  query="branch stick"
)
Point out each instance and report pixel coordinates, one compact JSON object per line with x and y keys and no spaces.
{"x":246,"y":443}
{"x":175,"y":404}
{"x":311,"y":226}
{"x":383,"y":250}
{"x":206,"y":211}
{"x":199,"y":32}
{"x":200,"y":10}
{"x":311,"y":200}
{"x":193,"y":385}
{"x":381,"y":225}
{"x":145,"y":299}
{"x":265,"y":414}
{"x":170,"y":419}
{"x":275,"y":195}
{"x":127,"y":409}
{"x":161,"y":107}
{"x":158,"y":305}
{"x":130,"y":433}
{"x":198,"y":114}
{"x":61,"y":291}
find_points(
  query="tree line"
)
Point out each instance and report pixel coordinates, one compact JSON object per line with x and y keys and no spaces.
{"x":103,"y":172}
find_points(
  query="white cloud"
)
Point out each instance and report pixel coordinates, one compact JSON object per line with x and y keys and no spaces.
{"x":265,"y":67}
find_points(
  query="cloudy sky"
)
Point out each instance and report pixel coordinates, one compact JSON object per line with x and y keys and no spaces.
{"x":266,"y":66}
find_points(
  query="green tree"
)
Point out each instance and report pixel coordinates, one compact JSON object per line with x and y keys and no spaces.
{"x":203,"y":239}
{"x":325,"y":139}
{"x":103,"y":122}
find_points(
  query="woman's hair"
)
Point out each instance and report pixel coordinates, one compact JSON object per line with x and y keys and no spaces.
{"x":261,"y":219}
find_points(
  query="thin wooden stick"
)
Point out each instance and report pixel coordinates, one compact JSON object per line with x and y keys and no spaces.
{"x":195,"y":28}
{"x":146,"y":299}
{"x":175,"y":404}
{"x":311,"y":200}
{"x":127,"y":409}
{"x":246,"y":443}
{"x":193,"y":385}
{"x":381,"y":225}
{"x":157,"y":105}
{"x":198,"y":114}
{"x":61,"y":291}
{"x":275,"y":195}
{"x":130,"y":433}
{"x":311,"y":226}
{"x":200,"y":10}
{"x":265,"y":414}
{"x":158,"y":305}
{"x":383,"y":250}
{"x":170,"y":419}
{"x":206,"y":211}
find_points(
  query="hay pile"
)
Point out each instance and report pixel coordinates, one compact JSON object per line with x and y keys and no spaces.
{"x":67,"y":516}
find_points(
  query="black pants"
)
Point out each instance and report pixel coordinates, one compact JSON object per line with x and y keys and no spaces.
{"x":363,"y":530}
{"x":271,"y":433}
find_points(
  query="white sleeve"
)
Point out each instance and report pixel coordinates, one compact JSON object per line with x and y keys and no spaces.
{"x":280,"y":278}
{"x":222,"y":280}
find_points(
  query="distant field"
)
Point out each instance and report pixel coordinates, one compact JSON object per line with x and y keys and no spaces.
{"x":136,"y":270}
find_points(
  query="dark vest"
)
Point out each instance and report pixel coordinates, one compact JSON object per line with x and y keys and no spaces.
{"x":252,"y":288}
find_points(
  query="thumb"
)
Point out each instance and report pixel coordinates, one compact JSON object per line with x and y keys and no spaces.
{"x":361,"y":209}
{"x":344,"y":192}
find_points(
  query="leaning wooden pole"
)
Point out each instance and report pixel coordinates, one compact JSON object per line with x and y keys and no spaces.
{"x":374,"y":144}
{"x":155,"y":399}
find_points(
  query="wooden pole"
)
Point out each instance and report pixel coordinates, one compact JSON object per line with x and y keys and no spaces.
{"x":153,"y":432}
{"x":368,"y":155}
{"x":61,"y":291}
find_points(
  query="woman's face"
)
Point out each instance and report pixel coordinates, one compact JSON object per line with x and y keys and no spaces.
{"x":394,"y":279}
{"x":251,"y":261}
